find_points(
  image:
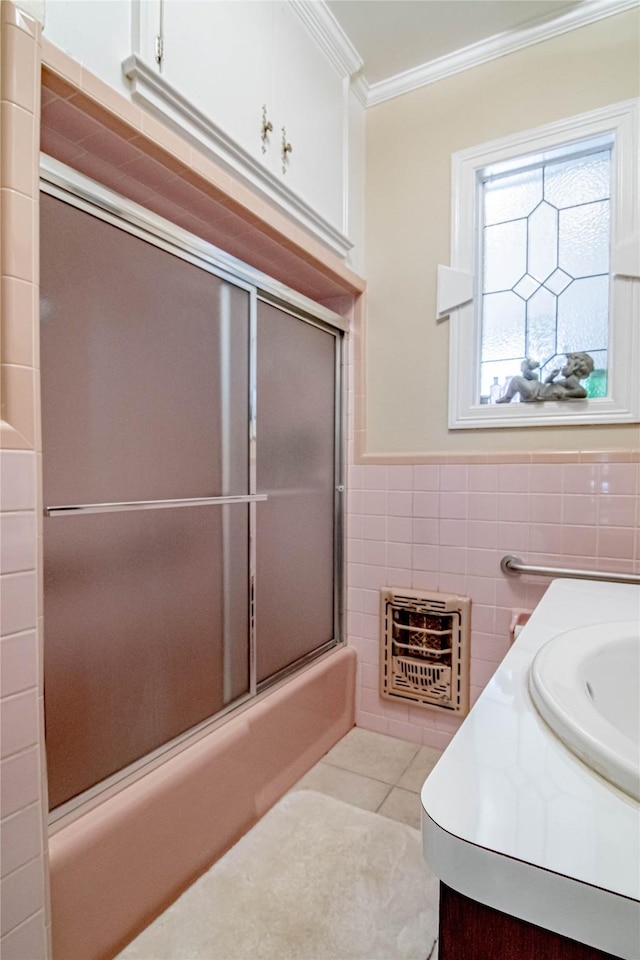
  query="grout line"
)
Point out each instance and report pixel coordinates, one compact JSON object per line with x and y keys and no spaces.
{"x":358,"y":773}
{"x":377,"y":810}
{"x":407,"y":767}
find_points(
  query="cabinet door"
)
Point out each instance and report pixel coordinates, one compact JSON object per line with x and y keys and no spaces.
{"x":231,"y":59}
{"x":309,"y":101}
{"x":220,"y":57}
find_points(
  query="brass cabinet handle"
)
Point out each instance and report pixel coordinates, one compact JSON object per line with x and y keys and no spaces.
{"x":286,"y":150}
{"x":266,"y":129}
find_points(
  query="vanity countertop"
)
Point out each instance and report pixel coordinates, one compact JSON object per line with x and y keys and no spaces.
{"x":512,"y":819}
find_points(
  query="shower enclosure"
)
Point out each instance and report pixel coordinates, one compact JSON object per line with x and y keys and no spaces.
{"x":191,"y":482}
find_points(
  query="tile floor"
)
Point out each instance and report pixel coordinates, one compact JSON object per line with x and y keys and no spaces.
{"x":375,"y":772}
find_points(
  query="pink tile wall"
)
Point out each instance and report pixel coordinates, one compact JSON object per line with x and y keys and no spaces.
{"x":23,"y":857}
{"x":22,"y":837}
{"x":446,"y":527}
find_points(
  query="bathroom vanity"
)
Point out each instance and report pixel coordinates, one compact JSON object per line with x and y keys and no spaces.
{"x":538,"y":854}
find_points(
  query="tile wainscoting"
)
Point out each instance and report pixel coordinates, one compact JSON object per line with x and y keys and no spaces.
{"x":23,"y":891}
{"x":446,"y":526}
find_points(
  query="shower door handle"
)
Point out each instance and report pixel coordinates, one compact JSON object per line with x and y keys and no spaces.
{"x":127,"y":505}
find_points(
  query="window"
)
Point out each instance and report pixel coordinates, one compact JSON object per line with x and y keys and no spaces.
{"x":546,"y":230}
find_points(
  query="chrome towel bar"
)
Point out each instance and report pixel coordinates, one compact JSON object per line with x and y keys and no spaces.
{"x":148,"y":505}
{"x":513,"y":567}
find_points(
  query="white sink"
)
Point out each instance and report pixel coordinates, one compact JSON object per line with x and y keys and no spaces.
{"x":586,"y":685}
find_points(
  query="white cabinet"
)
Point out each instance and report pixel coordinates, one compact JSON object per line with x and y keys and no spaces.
{"x":310,"y":102}
{"x":220,"y":63}
{"x":207,"y":68}
{"x":220,"y":57}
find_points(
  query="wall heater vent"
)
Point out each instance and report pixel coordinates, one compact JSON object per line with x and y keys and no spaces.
{"x":425,"y":648}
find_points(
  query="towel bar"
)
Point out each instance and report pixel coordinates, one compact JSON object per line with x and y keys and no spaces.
{"x":513,"y":567}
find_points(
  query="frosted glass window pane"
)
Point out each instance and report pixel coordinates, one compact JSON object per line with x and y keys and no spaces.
{"x":583,"y":314}
{"x":543,"y":241}
{"x":526,"y":287}
{"x":505,"y":255}
{"x":541,"y":326}
{"x":544,"y":231}
{"x":503,"y":326}
{"x":501,"y":370}
{"x":580,"y":180}
{"x":295,"y":468}
{"x":512,"y":197}
{"x":584,"y":239}
{"x":558,"y":281}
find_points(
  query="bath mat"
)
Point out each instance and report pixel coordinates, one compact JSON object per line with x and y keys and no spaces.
{"x":315,"y":879}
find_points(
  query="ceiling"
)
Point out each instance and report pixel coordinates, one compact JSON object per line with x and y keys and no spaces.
{"x":393,"y":36}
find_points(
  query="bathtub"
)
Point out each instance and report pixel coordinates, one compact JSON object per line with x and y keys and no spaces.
{"x":117,"y":866}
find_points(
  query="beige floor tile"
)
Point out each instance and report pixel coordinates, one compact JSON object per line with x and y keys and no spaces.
{"x":344,"y":785}
{"x":419,"y":768}
{"x":372,"y":755}
{"x":402,"y":805}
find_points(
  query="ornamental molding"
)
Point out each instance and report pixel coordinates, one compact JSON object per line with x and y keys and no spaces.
{"x":329,"y":35}
{"x":155,"y":94}
{"x":494,"y":47}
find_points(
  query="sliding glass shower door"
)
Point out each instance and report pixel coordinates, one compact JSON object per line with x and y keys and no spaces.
{"x":145,"y":398}
{"x":296,"y":468}
{"x":191,"y":484}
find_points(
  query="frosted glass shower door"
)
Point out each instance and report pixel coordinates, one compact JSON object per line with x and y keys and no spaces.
{"x":145,"y":397}
{"x":296,"y":602}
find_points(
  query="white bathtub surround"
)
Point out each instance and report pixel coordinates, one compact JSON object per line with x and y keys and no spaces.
{"x":314,"y":878}
{"x":514,"y":820}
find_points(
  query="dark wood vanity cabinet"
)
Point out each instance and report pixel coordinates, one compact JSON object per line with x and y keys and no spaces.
{"x":472,"y":931}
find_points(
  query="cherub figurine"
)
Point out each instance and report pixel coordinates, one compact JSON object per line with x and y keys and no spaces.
{"x":529,"y":368}
{"x":531,"y":390}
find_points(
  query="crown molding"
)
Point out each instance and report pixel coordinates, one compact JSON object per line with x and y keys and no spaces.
{"x":494,"y":47}
{"x":329,"y":35}
{"x":360,"y":89}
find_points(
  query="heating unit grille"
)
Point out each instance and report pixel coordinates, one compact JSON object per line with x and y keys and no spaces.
{"x":425,"y":649}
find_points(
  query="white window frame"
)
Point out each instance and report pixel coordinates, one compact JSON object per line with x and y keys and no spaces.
{"x":622,"y":405}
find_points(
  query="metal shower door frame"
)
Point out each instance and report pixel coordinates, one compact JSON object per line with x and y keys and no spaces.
{"x":66,"y":184}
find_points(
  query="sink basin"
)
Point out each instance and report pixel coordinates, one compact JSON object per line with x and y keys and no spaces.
{"x":586,"y":685}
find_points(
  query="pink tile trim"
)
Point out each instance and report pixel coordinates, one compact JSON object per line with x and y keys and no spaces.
{"x":20,"y":723}
{"x":29,"y":939}
{"x":22,"y":894}
{"x":19,"y":781}
{"x":516,"y":457}
{"x":21,"y":837}
{"x":18,"y":663}
{"x":83,"y":100}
